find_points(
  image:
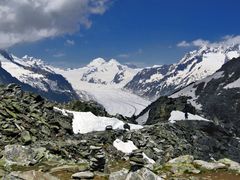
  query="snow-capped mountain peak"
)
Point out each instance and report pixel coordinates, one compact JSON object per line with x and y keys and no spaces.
{"x":96,"y":62}
{"x":100,"y":71}
{"x":114,"y":62}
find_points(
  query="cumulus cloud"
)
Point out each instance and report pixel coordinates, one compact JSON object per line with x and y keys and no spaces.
{"x":228,"y":40}
{"x":32,"y":20}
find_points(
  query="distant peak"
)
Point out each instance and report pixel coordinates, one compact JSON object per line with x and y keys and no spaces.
{"x":97,"y":62}
{"x":113,"y":61}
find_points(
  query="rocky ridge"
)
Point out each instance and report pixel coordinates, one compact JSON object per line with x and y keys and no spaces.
{"x":37,"y":141}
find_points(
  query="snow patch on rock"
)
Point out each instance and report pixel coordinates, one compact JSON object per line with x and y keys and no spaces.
{"x":179,"y":116}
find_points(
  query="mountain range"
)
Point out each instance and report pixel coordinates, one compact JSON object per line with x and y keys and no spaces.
{"x":120,"y":88}
{"x":195,"y":65}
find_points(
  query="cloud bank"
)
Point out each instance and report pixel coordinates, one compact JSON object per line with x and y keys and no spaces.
{"x":228,"y":40}
{"x":32,"y":20}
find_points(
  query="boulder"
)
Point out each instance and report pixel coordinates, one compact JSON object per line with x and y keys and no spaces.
{"x":70,"y":168}
{"x":179,"y":169}
{"x":208,"y":165}
{"x":22,"y":155}
{"x":142,"y":174}
{"x":182,"y":159}
{"x":232,"y":165}
{"x":119,"y":175}
{"x":133,"y":176}
{"x":83,"y":175}
{"x":26,"y":137}
{"x":29,"y":175}
{"x":147,"y":174}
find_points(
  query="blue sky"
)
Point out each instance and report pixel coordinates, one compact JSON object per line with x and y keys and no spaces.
{"x":144,"y":32}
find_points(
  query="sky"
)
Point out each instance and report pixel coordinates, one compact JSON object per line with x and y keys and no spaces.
{"x":143,"y":32}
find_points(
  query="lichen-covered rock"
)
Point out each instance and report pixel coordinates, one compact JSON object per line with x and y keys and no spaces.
{"x":178,"y":169}
{"x":147,"y":174}
{"x":22,"y":155}
{"x":70,"y":168}
{"x":29,"y":175}
{"x":182,"y":159}
{"x":26,"y":137}
{"x":208,"y":165}
{"x":232,"y":165}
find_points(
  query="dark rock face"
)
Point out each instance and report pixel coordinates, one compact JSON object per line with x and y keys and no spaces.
{"x":203,"y":140}
{"x":220,"y":103}
{"x":160,"y":110}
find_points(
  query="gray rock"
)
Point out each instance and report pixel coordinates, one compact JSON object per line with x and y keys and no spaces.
{"x":2,"y":173}
{"x":29,"y":175}
{"x":95,"y":147}
{"x":182,"y":159}
{"x":70,"y":168}
{"x":231,"y":165}
{"x":83,"y":175}
{"x":208,"y":165}
{"x":134,"y":176}
{"x":119,"y":175}
{"x":148,"y":175}
{"x":22,"y":155}
{"x":26,"y":137}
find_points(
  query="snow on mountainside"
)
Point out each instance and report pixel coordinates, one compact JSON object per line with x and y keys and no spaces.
{"x":102,"y":81}
{"x":195,"y":65}
{"x":217,"y":96}
{"x":37,"y":75}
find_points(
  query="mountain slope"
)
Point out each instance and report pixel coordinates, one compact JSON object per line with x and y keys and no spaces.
{"x":194,"y":66}
{"x":35,"y":76}
{"x":102,"y":81}
{"x":218,"y":95}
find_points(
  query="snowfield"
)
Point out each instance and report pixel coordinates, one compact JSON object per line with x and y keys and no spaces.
{"x":179,"y":116}
{"x":85,"y":122}
{"x":235,"y":84}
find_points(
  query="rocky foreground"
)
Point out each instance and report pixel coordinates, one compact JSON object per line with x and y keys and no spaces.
{"x":37,"y":142}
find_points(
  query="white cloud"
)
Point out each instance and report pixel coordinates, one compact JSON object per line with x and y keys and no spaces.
{"x":225,"y":41}
{"x":32,"y":20}
{"x":183,"y":44}
{"x":70,"y":42}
